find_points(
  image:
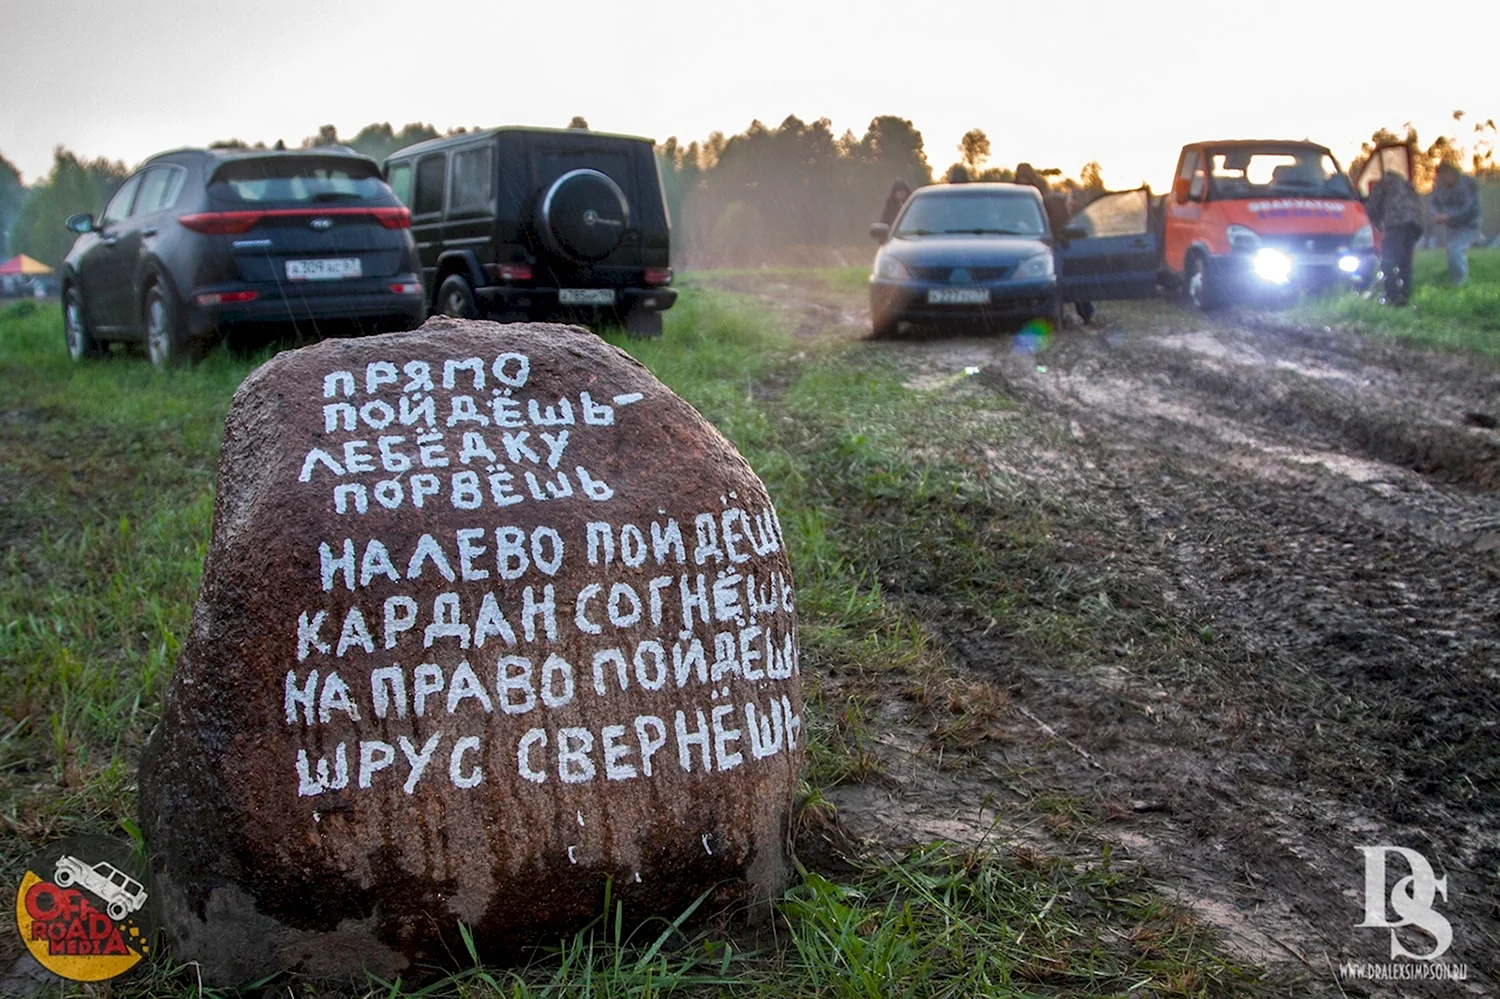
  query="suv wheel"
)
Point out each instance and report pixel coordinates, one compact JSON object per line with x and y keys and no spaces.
{"x":456,"y":298}
{"x":166,"y":341}
{"x":643,"y":322}
{"x":583,"y":215}
{"x":81,"y":342}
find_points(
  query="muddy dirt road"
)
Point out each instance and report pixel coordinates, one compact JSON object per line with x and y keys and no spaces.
{"x":1327,"y":510}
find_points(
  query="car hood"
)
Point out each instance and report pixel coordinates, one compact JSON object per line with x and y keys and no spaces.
{"x":965,"y":251}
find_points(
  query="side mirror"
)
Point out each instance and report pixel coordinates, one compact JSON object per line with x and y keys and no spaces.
{"x":880,"y":232}
{"x":81,"y":223}
{"x":1075,"y":232}
{"x":1180,"y":188}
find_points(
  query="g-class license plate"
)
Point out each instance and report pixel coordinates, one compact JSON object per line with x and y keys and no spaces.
{"x":322,"y":270}
{"x":957,"y":296}
{"x":586,"y":296}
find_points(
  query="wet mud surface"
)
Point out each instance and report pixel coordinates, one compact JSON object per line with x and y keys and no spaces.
{"x":1327,"y":509}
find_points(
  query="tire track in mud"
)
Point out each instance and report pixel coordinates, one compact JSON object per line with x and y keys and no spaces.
{"x":1321,"y":500}
{"x":1331,"y":515}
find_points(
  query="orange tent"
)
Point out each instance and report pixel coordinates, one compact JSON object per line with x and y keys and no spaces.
{"x":23,"y":265}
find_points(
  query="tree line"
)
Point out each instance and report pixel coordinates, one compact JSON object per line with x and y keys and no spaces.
{"x":798,"y":192}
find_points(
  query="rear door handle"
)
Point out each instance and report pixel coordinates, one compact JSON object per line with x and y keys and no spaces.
{"x":152,"y":231}
{"x":111,"y":240}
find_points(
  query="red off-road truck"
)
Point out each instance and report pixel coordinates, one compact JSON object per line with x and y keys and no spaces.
{"x":1251,"y":219}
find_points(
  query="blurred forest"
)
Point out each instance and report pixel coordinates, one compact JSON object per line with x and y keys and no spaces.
{"x":795,"y":194}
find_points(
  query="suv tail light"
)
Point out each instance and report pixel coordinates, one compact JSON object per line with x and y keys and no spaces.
{"x":221,"y":223}
{"x":393,"y":218}
{"x":226,"y":297}
{"x":657,"y":276}
{"x":234,"y":223}
{"x":515,"y":272}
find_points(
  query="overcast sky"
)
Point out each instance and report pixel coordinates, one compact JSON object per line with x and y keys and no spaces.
{"x":1057,"y":84}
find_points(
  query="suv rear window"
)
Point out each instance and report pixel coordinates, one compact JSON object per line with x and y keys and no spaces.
{"x":297,"y":179}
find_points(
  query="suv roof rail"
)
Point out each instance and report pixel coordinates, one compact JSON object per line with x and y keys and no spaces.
{"x":444,"y":140}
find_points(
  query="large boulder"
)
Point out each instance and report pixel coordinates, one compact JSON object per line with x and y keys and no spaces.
{"x":490,"y":619}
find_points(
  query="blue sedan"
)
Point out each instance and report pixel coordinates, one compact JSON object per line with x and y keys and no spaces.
{"x":986,"y":254}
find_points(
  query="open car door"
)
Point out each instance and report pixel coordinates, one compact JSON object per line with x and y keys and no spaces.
{"x":1394,"y":158}
{"x":1109,"y":250}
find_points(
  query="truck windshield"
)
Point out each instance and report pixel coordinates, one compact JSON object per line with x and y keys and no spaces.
{"x":1288,"y":172}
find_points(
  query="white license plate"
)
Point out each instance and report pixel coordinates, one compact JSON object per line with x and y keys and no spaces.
{"x":586,"y":296}
{"x":957,"y":296}
{"x":323,"y":270}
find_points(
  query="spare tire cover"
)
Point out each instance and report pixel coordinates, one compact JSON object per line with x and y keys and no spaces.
{"x":583,"y":215}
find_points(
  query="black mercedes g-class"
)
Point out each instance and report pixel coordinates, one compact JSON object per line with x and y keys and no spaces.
{"x":536,"y":223}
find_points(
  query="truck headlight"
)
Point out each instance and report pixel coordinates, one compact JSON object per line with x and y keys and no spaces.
{"x":1039,"y":266}
{"x":1273,"y":266}
{"x":888,"y":267}
{"x":1348,"y":263}
{"x":1242,"y":237}
{"x":1364,"y":239}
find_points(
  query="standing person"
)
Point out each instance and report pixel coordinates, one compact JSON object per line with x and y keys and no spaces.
{"x":1455,"y":203}
{"x":900,"y":191}
{"x":958,"y":174}
{"x":1396,"y":210}
{"x":1026,"y":174}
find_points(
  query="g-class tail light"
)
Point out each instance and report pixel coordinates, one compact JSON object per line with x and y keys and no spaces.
{"x":658,"y":276}
{"x":514,"y":272}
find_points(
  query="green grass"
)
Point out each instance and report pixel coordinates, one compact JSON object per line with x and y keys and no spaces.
{"x":107,"y":472}
{"x":1464,"y":318}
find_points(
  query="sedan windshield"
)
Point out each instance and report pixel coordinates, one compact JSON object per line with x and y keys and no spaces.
{"x":1286,"y":172}
{"x":955,"y":213}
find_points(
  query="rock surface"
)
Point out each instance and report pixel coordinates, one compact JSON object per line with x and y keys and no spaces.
{"x":490,"y":618}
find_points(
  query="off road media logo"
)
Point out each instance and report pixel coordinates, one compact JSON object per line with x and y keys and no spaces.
{"x":1413,"y":900}
{"x":81,"y":910}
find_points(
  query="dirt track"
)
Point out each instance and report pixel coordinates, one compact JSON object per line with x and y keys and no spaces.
{"x":1329,"y":508}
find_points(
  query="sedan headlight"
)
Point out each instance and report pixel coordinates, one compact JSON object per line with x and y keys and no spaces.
{"x":1242,"y":237}
{"x":888,"y":267}
{"x":1364,"y":239}
{"x":1039,"y":266}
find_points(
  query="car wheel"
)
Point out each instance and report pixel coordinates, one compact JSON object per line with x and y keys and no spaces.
{"x":643,"y":322}
{"x":166,"y":340}
{"x":456,"y":299}
{"x":884,"y":327}
{"x":63,"y":878}
{"x":1085,"y":310}
{"x":118,"y":911}
{"x":1201,"y":289}
{"x":81,"y":342}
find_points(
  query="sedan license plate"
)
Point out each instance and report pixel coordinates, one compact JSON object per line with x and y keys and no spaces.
{"x":586,"y":296}
{"x":323,"y":270}
{"x":957,"y":296}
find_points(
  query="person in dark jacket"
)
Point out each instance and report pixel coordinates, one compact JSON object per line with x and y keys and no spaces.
{"x":900,"y":191}
{"x":1396,"y":210}
{"x":1026,"y":174}
{"x":1455,"y":204}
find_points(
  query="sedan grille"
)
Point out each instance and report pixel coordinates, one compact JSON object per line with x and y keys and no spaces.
{"x":976,"y":274}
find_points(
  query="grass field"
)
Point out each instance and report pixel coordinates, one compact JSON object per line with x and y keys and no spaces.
{"x":1439,"y":315}
{"x":106,"y":483}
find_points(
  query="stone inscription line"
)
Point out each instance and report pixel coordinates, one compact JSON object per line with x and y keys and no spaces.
{"x":462,"y":435}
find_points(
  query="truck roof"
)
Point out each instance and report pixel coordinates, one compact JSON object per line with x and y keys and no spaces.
{"x":1248,"y":143}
